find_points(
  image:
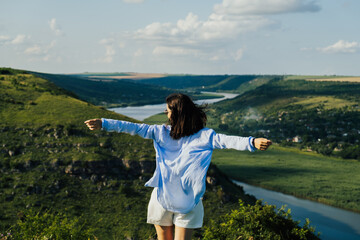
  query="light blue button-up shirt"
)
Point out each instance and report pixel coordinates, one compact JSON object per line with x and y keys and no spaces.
{"x":181,"y":165}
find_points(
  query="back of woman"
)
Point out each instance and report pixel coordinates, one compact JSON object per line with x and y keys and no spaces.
{"x":183,"y":155}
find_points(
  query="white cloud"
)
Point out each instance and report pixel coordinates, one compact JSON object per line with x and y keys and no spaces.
{"x":121,"y":44}
{"x":341,"y":47}
{"x":133,"y":1}
{"x":179,"y":51}
{"x":215,"y":58}
{"x":34,"y":50}
{"x":192,"y":31}
{"x":55,"y":28}
{"x":107,"y":41}
{"x":206,"y":38}
{"x":18,"y":39}
{"x":238,"y":54}
{"x":227,"y":21}
{"x":265,"y":7}
{"x":138,"y":53}
{"x":40,"y":50}
{"x":110,"y":52}
{"x":4,"y":39}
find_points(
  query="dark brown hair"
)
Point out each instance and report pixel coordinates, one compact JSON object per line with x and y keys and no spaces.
{"x":186,"y":117}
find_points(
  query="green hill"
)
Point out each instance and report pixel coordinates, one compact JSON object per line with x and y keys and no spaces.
{"x":50,"y":162}
{"x":103,"y":90}
{"x":214,"y":83}
{"x":320,"y":116}
{"x":109,"y":92}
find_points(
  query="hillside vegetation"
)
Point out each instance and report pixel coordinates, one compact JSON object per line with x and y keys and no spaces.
{"x":314,"y":116}
{"x":60,"y":179}
{"x":115,"y":90}
{"x":213,"y":83}
{"x":109,"y":92}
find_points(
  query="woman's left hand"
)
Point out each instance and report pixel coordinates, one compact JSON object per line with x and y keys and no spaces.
{"x":262,"y":143}
{"x":94,"y":124}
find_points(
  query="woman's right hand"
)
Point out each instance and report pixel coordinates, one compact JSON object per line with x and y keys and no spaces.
{"x":94,"y":124}
{"x":262,"y":143}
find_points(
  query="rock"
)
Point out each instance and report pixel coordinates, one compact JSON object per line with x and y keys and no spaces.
{"x":94,"y":178}
{"x":133,"y":166}
{"x":69,"y":169}
{"x":212,"y":181}
{"x":29,"y":164}
{"x":147,"y":166}
{"x":55,"y":163}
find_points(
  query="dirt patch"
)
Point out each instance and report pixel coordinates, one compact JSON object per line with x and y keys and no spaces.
{"x":134,"y":76}
{"x":338,"y":79}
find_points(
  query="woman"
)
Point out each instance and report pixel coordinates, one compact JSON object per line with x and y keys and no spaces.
{"x":183,"y":155}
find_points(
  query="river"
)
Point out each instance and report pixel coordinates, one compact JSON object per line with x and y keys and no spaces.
{"x":142,"y":112}
{"x":333,"y":223}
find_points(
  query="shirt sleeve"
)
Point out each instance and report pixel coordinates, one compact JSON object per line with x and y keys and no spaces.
{"x":222,"y":141}
{"x":141,"y":129}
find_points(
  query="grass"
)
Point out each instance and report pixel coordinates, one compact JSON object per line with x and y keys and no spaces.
{"x":156,"y":119}
{"x":305,"y":77}
{"x":328,"y":102}
{"x":307,"y":175}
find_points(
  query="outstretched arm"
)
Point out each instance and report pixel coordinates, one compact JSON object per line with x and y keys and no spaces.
{"x":141,"y":129}
{"x":222,"y":141}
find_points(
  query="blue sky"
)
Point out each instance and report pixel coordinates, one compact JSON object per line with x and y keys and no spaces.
{"x":319,"y":37}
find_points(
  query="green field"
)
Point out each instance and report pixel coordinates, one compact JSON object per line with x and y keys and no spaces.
{"x":307,"y":175}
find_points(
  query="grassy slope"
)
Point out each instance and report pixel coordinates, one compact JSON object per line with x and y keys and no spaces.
{"x":50,"y":160}
{"x":109,"y":93}
{"x":307,"y":175}
{"x":225,"y":83}
{"x":112,"y":92}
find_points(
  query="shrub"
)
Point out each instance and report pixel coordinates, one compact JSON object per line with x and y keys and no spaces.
{"x":258,"y":222}
{"x":51,"y":226}
{"x":6,"y":236}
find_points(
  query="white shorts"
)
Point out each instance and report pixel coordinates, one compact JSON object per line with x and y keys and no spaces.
{"x":159,"y":216}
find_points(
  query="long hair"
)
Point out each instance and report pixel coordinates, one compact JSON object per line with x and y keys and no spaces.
{"x":186,"y":117}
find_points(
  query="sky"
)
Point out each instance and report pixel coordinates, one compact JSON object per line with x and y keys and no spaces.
{"x":302,"y":37}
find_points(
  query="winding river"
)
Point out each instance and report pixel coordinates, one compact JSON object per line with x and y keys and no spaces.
{"x":142,"y":112}
{"x":332,"y":223}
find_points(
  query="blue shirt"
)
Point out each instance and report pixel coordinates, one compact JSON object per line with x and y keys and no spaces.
{"x":181,"y":165}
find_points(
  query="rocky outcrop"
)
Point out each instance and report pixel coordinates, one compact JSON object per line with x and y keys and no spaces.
{"x":117,"y":169}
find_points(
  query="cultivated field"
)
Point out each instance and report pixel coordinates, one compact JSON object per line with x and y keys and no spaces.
{"x":134,"y":76}
{"x":336,"y":79}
